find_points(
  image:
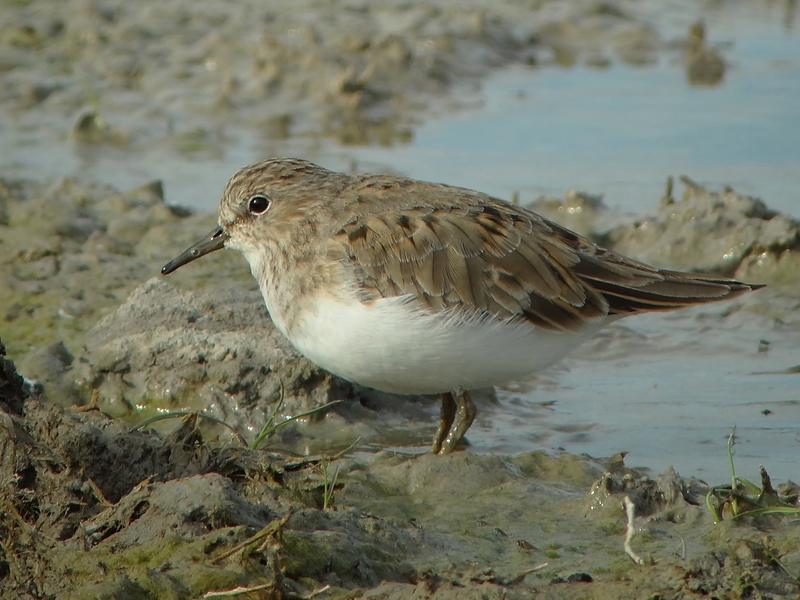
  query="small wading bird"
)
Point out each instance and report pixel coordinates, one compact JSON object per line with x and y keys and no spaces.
{"x":421,"y":288}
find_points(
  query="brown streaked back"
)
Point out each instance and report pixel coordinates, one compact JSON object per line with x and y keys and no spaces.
{"x":467,"y":250}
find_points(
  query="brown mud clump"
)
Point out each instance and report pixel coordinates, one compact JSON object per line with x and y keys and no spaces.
{"x":95,"y":509}
{"x":12,"y":385}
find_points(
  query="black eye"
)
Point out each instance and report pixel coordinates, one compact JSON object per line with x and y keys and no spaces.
{"x":258,"y":204}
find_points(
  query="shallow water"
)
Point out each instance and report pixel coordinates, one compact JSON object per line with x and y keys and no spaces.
{"x":669,"y":397}
{"x":666,"y":389}
{"x":620,"y":131}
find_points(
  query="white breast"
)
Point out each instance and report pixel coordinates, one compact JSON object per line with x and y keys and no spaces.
{"x":394,"y":346}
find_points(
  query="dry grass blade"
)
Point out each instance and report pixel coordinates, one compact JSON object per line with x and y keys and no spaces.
{"x":184,"y":413}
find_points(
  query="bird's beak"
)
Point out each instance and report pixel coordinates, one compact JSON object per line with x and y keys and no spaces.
{"x":210,"y":243}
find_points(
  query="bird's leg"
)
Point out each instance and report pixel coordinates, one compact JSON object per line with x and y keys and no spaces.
{"x":466,"y":414}
{"x":448,"y":414}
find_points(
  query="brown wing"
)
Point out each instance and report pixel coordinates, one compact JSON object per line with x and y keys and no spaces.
{"x":493,"y":257}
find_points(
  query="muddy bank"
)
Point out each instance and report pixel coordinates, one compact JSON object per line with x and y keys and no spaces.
{"x":698,"y":229}
{"x":187,"y":516}
{"x":73,"y":252}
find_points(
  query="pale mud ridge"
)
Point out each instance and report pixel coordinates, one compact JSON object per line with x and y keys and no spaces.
{"x":96,"y":509}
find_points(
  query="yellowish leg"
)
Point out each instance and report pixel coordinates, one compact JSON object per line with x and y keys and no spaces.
{"x":464,"y":417}
{"x":448,"y":414}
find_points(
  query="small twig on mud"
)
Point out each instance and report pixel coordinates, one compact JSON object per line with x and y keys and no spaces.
{"x":92,"y":404}
{"x":238,"y":591}
{"x":630,"y":511}
{"x":346,"y":450}
{"x":316,"y":593}
{"x":328,"y":486}
{"x":305,"y":460}
{"x":98,"y":494}
{"x":682,"y":553}
{"x":519,"y":577}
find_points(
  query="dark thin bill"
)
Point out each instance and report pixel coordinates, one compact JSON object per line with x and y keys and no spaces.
{"x":212,"y":242}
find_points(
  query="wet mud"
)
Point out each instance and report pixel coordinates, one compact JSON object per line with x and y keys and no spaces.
{"x":187,"y":516}
{"x":345,"y":503}
{"x":128,"y":75}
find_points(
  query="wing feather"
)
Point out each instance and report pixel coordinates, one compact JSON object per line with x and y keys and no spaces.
{"x":467,"y":251}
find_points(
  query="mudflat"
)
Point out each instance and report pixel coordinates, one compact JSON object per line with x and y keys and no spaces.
{"x":345,"y":503}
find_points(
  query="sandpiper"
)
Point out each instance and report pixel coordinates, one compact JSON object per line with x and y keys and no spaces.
{"x":423,"y":288}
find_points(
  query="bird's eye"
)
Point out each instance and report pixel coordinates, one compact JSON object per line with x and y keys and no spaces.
{"x":258,"y":204}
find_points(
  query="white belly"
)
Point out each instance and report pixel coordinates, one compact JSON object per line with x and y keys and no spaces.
{"x":391,"y":346}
